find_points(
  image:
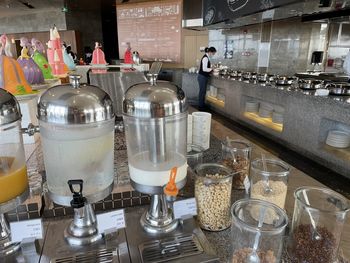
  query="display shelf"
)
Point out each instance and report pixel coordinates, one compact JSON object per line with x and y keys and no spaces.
{"x":341,"y":153}
{"x":215,"y":101}
{"x":266,"y":122}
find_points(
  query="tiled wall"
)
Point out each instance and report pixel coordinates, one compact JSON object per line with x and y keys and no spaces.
{"x":339,"y":45}
{"x":34,"y":22}
{"x":291,"y":44}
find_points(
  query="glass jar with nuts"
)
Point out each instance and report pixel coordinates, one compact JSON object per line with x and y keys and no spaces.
{"x":213,"y":187}
{"x":254,"y":236}
{"x":236,"y":155}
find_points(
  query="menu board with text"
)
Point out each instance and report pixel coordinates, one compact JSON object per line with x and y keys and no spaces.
{"x":152,"y":28}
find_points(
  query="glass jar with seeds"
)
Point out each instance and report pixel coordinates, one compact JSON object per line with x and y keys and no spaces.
{"x":318,"y":220}
{"x":236,"y":155}
{"x":213,"y":187}
{"x":268,"y":180}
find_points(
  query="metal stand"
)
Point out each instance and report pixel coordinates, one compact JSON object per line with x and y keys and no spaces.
{"x":6,"y":247}
{"x":159,"y":218}
{"x":83,"y":229}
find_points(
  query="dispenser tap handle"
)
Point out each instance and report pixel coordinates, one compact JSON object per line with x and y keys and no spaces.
{"x":78,"y":200}
{"x":171,"y":189}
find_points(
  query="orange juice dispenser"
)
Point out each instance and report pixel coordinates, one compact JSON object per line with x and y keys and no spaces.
{"x":14,"y":187}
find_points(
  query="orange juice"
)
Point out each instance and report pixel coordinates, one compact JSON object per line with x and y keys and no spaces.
{"x":12,"y":182}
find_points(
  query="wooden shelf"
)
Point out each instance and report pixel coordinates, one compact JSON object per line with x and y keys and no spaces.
{"x":215,"y":101}
{"x":266,"y":122}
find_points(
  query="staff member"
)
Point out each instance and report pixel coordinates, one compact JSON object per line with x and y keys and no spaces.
{"x":203,"y":75}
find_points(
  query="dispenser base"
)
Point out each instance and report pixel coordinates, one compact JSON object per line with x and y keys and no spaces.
{"x":83,"y":229}
{"x":80,"y":241}
{"x":7,"y":248}
{"x":153,"y":227}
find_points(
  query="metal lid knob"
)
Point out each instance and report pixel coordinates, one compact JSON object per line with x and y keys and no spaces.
{"x":9,"y":108}
{"x":75,"y":104}
{"x":74,"y":80}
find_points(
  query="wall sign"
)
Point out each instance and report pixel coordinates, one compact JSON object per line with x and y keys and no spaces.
{"x":152,"y":28}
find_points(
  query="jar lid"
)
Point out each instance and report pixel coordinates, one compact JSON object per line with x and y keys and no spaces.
{"x":75,"y":104}
{"x":154,"y":99}
{"x":9,"y":108}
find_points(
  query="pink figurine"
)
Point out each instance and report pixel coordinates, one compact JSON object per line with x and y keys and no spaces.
{"x":98,"y":56}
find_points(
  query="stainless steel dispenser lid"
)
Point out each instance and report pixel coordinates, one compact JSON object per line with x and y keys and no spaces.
{"x":154,"y":99}
{"x":74,"y":104}
{"x":9,"y":108}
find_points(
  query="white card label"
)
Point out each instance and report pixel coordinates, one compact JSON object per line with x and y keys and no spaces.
{"x":246,"y":183}
{"x":110,"y":220}
{"x":184,"y":208}
{"x":26,"y":229}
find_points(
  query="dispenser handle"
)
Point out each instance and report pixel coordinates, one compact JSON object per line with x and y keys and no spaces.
{"x":78,"y":200}
{"x":78,"y":182}
{"x":171,"y":189}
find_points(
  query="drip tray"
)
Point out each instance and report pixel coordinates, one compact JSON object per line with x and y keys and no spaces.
{"x":112,"y":248}
{"x":98,"y":256}
{"x":187,"y":244}
{"x":170,"y":249}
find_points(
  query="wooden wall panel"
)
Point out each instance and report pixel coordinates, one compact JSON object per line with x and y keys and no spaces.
{"x":152,"y":28}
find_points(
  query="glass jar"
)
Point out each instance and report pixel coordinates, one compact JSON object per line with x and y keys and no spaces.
{"x":257,"y":227}
{"x":194,"y":155}
{"x":13,"y":171}
{"x":269,"y":182}
{"x":236,"y":156}
{"x":213,"y":187}
{"x":318,"y":221}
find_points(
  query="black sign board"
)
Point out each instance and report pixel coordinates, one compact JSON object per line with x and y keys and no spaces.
{"x":215,"y":11}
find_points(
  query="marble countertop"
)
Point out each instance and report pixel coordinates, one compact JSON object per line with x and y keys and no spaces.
{"x":219,"y":240}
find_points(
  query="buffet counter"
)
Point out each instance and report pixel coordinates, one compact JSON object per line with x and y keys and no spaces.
{"x":123,"y":196}
{"x":307,"y":118}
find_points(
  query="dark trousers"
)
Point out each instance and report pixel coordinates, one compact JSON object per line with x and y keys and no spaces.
{"x":202,"y":82}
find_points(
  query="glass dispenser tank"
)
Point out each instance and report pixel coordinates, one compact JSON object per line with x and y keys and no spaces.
{"x":155,"y":119}
{"x":77,"y":133}
{"x":14,"y":187}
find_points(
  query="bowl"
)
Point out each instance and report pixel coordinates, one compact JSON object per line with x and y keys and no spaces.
{"x":322,"y":92}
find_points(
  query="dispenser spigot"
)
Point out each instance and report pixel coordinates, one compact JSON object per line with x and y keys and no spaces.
{"x":171,"y":190}
{"x":78,"y":200}
{"x":31,"y":129}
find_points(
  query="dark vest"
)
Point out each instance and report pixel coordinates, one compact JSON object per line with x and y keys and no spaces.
{"x":207,"y":74}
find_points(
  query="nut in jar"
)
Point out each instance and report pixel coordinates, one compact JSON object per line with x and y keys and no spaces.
{"x":213,"y":187}
{"x":236,"y":156}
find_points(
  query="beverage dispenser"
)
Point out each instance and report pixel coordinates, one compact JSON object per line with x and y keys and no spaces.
{"x":77,"y":134}
{"x":14,"y":187}
{"x":155,"y":119}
